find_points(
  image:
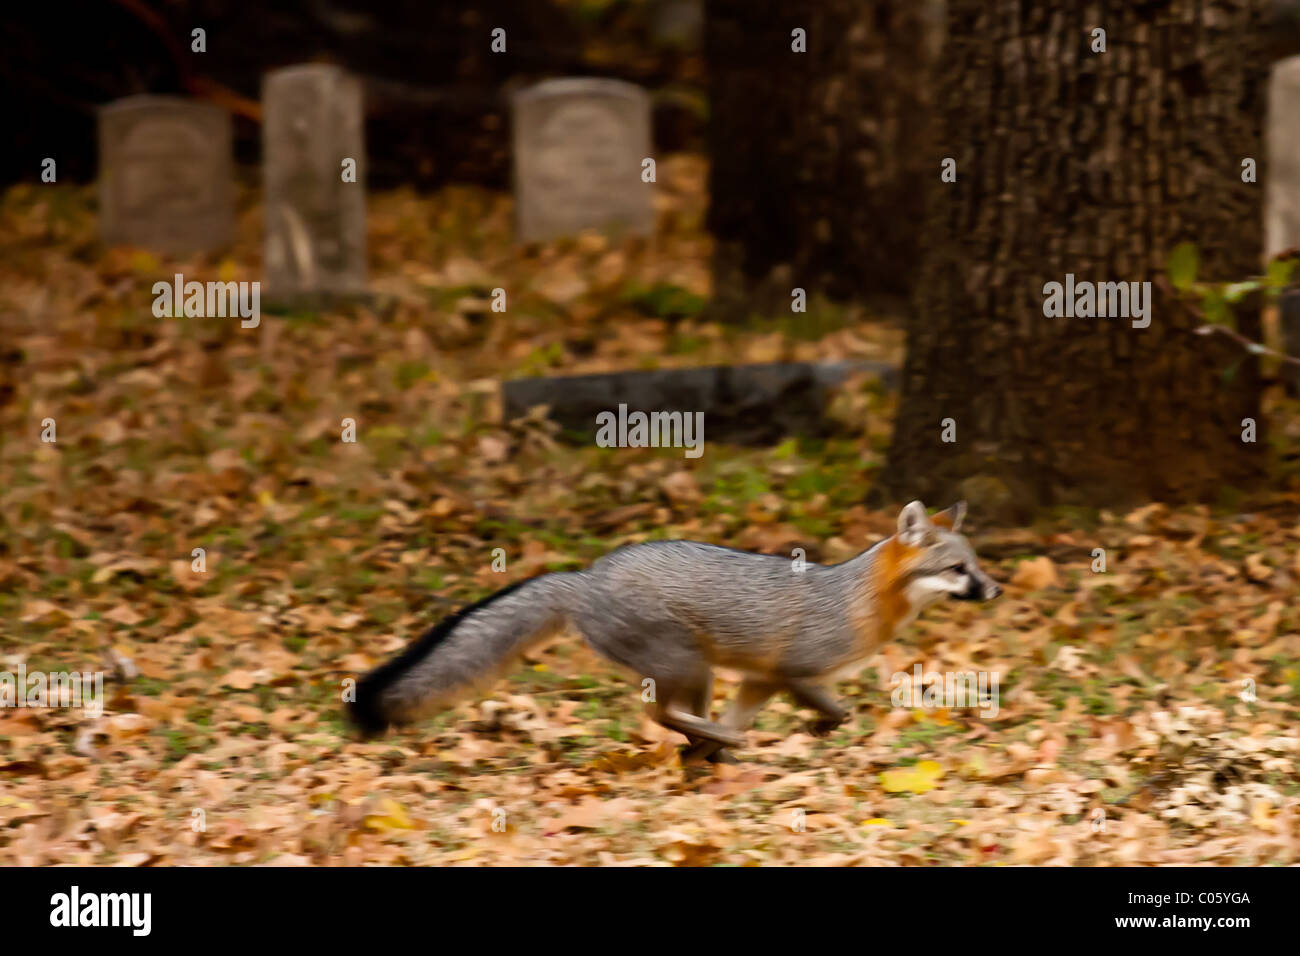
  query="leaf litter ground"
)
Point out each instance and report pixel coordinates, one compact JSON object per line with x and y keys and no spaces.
{"x":1147,"y":713}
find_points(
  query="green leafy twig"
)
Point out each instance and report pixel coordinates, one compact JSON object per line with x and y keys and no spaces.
{"x":1217,"y":296}
{"x":1249,"y":345}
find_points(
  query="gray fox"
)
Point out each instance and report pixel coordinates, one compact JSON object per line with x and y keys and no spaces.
{"x":673,"y":610}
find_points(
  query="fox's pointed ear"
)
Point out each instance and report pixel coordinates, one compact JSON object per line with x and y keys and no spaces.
{"x":952,"y":518}
{"x":912,"y":523}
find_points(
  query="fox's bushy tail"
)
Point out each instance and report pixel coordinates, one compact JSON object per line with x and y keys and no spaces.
{"x":462,"y":651}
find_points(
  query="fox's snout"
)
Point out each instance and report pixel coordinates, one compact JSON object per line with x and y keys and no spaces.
{"x":986,"y":587}
{"x":981,"y":588}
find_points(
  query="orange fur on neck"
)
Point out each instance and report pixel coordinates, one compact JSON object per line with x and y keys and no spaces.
{"x":882,"y":603}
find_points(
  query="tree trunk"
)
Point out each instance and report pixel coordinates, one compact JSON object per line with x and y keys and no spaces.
{"x":1095,"y":164}
{"x":815,"y":179}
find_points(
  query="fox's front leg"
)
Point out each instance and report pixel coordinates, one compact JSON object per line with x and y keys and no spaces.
{"x":818,"y":698}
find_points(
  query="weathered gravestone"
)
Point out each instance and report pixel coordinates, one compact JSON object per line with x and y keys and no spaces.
{"x":1282,"y":190}
{"x":1282,"y":193}
{"x":578,"y":151}
{"x":166,"y":180}
{"x":315,"y":220}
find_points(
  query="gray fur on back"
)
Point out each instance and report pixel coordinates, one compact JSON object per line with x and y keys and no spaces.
{"x":673,"y":592}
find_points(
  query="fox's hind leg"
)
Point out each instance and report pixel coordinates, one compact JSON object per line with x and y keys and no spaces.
{"x":701,"y":697}
{"x":699,"y":748}
{"x":751,"y":697}
{"x":682,"y":677}
{"x":694,"y":727}
{"x":684,"y":707}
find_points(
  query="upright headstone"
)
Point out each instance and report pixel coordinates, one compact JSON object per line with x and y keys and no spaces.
{"x":579,"y":145}
{"x":313,"y":142}
{"x":166,"y":180}
{"x":1282,"y":193}
{"x":1282,"y":189}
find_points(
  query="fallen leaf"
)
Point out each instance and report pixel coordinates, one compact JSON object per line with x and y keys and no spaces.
{"x":1036,"y":574}
{"x":918,"y":778}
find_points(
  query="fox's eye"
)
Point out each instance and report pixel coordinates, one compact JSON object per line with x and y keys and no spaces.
{"x":958,"y":569}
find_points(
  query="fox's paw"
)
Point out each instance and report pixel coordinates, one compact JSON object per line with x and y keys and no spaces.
{"x":822,"y":726}
{"x":706,"y":751}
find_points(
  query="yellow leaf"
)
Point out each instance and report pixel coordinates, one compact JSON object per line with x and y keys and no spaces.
{"x":877,"y":822}
{"x":144,"y":263}
{"x":919,"y":778}
{"x":393,"y":817}
{"x":938,"y":716}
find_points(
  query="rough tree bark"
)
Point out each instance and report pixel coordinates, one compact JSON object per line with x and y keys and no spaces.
{"x":1096,"y":164}
{"x":816,"y":178}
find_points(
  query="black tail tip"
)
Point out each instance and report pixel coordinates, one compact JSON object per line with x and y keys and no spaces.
{"x":364,"y":714}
